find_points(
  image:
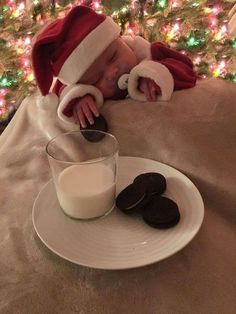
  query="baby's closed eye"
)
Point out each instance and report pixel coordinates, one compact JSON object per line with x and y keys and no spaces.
{"x":96,"y":79}
{"x":112,"y":57}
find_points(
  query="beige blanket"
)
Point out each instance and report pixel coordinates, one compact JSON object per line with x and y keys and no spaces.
{"x":195,"y":132}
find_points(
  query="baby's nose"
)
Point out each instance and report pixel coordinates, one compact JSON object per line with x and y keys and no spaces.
{"x":112,"y":73}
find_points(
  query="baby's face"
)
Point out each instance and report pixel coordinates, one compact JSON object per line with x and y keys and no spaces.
{"x":105,"y":72}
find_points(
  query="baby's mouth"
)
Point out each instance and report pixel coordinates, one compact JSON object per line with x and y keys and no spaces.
{"x":120,"y":87}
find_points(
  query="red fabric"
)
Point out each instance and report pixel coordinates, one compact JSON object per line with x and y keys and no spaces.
{"x":179,"y":65}
{"x":56,"y":42}
{"x":68,"y":111}
{"x":57,"y":89}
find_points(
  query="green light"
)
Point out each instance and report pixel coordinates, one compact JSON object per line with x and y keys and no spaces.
{"x":4,"y":82}
{"x":234,"y":44}
{"x":5,"y":8}
{"x":195,"y":4}
{"x":162,"y":3}
{"x":124,"y":10}
{"x":192,"y":42}
{"x":234,"y":78}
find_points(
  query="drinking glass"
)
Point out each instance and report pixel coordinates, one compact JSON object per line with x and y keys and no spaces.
{"x":84,"y":165}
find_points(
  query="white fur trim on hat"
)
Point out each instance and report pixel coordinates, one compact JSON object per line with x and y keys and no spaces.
{"x":88,"y":51}
{"x":155,"y":71}
{"x":75,"y":91}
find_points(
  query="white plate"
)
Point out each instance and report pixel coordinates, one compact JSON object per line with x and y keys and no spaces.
{"x":119,"y":241}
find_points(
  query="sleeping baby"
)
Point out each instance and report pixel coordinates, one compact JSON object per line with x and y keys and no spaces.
{"x":91,"y":62}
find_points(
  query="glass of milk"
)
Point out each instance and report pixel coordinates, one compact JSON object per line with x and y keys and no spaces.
{"x":84,"y":172}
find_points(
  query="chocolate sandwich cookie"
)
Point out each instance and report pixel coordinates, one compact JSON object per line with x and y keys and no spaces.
{"x":161,"y":212}
{"x":100,"y":124}
{"x":132,"y":198}
{"x":154,"y":182}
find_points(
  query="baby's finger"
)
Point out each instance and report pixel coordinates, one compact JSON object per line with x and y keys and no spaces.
{"x":93,"y":107}
{"x":154,"y":90}
{"x":81,"y":117}
{"x":153,"y":93}
{"x":87,"y":112}
{"x":145,"y":90}
{"x":75,"y":115}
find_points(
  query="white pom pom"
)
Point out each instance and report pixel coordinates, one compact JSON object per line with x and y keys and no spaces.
{"x":123,"y":81}
{"x":50,"y":100}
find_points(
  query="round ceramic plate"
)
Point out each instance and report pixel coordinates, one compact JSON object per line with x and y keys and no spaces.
{"x":119,"y":241}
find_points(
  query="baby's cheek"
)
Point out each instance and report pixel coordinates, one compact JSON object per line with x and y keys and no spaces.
{"x":105,"y":90}
{"x":120,"y":94}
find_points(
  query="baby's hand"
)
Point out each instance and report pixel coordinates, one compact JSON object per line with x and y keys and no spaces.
{"x":150,"y":89}
{"x":85,"y":107}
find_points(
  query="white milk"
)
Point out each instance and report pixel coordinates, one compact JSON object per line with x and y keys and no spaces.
{"x":86,"y":191}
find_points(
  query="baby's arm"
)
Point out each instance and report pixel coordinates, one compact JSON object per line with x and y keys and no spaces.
{"x":170,"y":70}
{"x":84,"y":107}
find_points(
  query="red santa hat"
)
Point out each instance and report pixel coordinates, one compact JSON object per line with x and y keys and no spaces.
{"x":69,"y":46}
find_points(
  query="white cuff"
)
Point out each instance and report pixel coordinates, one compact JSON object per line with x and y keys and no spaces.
{"x":155,"y":71}
{"x":74,"y":91}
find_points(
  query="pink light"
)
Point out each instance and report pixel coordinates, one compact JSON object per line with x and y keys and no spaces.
{"x":130,"y":31}
{"x":223,"y":29}
{"x":22,"y":6}
{"x":216,"y":10}
{"x":213,"y":22}
{"x":3,"y":92}
{"x":174,"y":4}
{"x":27,"y":41}
{"x":197,"y":60}
{"x":176,"y":27}
{"x":26,"y":63}
{"x":97,"y":5}
{"x":222,"y":64}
